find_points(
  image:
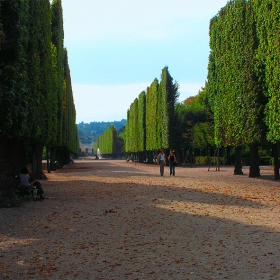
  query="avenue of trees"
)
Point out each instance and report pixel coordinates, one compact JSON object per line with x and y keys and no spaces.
{"x":243,"y":78}
{"x":155,"y":120}
{"x":109,"y":143}
{"x":237,"y":110}
{"x":36,"y":101}
{"x":151,"y":119}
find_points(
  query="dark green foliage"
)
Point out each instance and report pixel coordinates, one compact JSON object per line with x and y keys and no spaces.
{"x":31,"y":87}
{"x":134,"y":125}
{"x":57,"y":41}
{"x":268,"y":30}
{"x":197,"y":122}
{"x":151,"y":119}
{"x":168,"y":94}
{"x":235,"y":94}
{"x":152,"y":116}
{"x":40,"y":72}
{"x":135,"y":130}
{"x":108,"y":142}
{"x":209,"y":160}
{"x":235,"y":79}
{"x":69,"y":136}
{"x":131,"y":130}
{"x":142,"y":121}
{"x":14,"y":109}
{"x":127,"y":134}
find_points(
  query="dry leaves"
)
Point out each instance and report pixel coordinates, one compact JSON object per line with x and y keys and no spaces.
{"x":120,"y":220}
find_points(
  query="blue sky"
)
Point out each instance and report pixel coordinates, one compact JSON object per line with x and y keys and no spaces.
{"x":116,"y":48}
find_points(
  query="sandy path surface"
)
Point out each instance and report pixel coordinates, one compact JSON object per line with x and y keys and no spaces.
{"x":121,"y":220}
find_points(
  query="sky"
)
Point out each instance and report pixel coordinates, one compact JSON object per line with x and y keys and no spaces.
{"x":116,"y":48}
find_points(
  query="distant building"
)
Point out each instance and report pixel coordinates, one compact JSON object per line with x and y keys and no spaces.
{"x":86,"y":145}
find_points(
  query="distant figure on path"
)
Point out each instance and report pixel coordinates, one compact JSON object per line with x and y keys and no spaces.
{"x":172,"y":162}
{"x":161,"y":161}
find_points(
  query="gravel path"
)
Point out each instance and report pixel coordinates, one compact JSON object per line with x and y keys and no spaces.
{"x":121,"y":220}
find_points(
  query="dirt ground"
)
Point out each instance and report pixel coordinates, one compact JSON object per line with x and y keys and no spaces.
{"x":121,"y":220}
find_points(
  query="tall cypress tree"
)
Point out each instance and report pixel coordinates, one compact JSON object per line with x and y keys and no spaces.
{"x":58,"y":42}
{"x":133,"y":127}
{"x":142,"y":125}
{"x":168,"y":94}
{"x":135,"y":132}
{"x":235,"y":92}
{"x":268,"y":30}
{"x":69,"y":135}
{"x":41,"y":78}
{"x":127,"y":134}
{"x":14,"y":105}
{"x":151,"y":116}
{"x":108,"y":141}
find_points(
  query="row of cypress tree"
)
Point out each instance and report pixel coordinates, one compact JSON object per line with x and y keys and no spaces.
{"x":36,"y":101}
{"x":243,"y":78}
{"x":151,"y":118}
{"x":239,"y":105}
{"x":156,"y":120}
{"x":150,"y":122}
{"x":108,"y":142}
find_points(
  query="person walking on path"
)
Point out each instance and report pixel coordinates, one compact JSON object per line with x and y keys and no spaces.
{"x":172,"y":162}
{"x":161,"y":162}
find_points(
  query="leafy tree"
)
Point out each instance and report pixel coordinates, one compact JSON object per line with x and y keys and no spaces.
{"x":151,"y":116}
{"x":168,"y":94}
{"x":14,"y":110}
{"x":194,"y":126}
{"x":40,"y":81}
{"x":109,"y":143}
{"x":268,"y":30}
{"x":69,"y":135}
{"x":29,"y":81}
{"x":57,"y":40}
{"x":142,"y":125}
{"x":136,"y":127}
{"x":235,"y":93}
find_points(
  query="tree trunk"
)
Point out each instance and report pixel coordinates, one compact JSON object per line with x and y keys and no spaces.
{"x":150,"y":157}
{"x":218,"y":160}
{"x":179,"y":155}
{"x":48,"y":159}
{"x":53,"y":155}
{"x":238,"y":162}
{"x":228,"y":161}
{"x":12,"y":157}
{"x":276,"y":161}
{"x":142,"y":157}
{"x":37,"y":162}
{"x":254,"y":161}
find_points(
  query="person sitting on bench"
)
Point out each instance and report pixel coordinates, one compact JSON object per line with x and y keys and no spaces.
{"x":24,"y":179}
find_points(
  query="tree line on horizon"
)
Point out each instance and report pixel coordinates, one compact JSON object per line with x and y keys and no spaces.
{"x":236,"y":112}
{"x":95,"y":129}
{"x":37,"y":109}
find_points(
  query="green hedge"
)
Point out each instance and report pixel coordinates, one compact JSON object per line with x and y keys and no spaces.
{"x":208,"y":160}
